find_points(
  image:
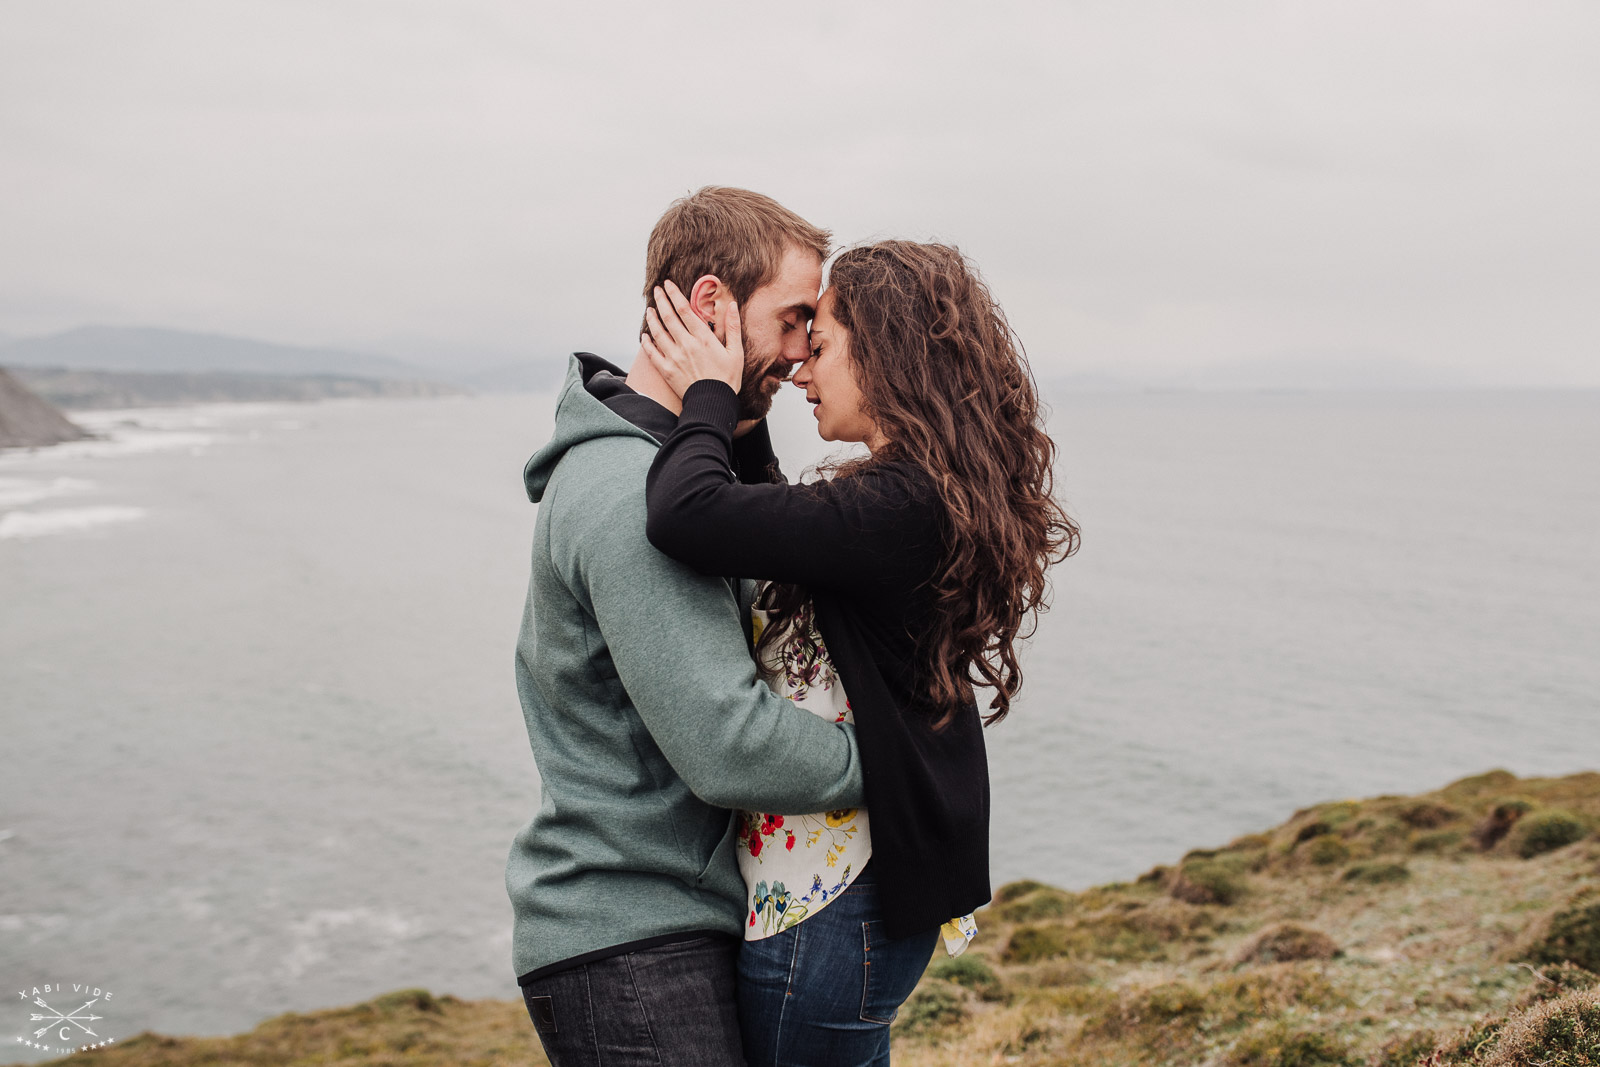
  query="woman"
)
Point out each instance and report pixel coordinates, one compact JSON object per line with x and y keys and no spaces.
{"x":904,"y":581}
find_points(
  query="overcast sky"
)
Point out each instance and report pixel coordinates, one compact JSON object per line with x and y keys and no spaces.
{"x":1151,"y":188}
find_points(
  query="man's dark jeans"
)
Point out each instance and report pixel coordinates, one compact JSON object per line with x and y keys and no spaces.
{"x":667,"y":1006}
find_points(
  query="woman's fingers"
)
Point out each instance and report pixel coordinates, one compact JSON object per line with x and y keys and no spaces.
{"x":680,"y":303}
{"x":666,"y":346}
{"x":652,"y":322}
{"x":670,"y":316}
{"x":658,"y":333}
{"x":685,"y":348}
{"x":671,"y":370}
{"x":667,"y":352}
{"x":656,"y":355}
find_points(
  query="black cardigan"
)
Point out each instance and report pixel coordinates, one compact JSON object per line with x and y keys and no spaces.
{"x":865,"y":548}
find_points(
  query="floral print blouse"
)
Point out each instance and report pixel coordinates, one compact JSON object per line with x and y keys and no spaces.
{"x":796,"y":865}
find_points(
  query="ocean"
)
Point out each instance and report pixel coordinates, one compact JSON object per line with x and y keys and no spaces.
{"x":261,"y":749}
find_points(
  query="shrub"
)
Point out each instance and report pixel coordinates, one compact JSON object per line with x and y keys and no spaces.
{"x":1253,"y":859}
{"x":1385,"y":835}
{"x":1427,"y":815}
{"x":1016,"y":890}
{"x":1280,"y":1046}
{"x":1132,"y":932}
{"x":1478,"y":784}
{"x":1061,"y":973}
{"x":1438,"y":841}
{"x":1573,"y":936}
{"x":1317,"y":828}
{"x":1376,"y":873}
{"x":1042,"y":903}
{"x":1158,"y":873}
{"x":1031,"y":943}
{"x":408,"y":1000}
{"x":1144,"y":933}
{"x":1209,"y":881}
{"x":1327,"y":851}
{"x":1164,"y":1019}
{"x":1547,"y":831}
{"x":1558,"y":1033}
{"x":1250,"y":843}
{"x":1286,"y":942}
{"x":1148,"y":1009}
{"x":971,"y":972}
{"x":1406,"y":1050}
{"x":1473,"y":1047}
{"x":929,"y":1009}
{"x":1249,"y":996}
{"x":1501,"y":818}
{"x":1557,"y":980}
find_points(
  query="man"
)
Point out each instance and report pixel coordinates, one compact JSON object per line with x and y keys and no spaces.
{"x":646,"y":715}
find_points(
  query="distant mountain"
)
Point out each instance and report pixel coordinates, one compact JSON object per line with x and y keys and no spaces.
{"x":127,"y":348}
{"x":29,"y":422}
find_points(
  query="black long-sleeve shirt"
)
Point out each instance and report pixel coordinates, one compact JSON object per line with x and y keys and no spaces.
{"x":866,"y":548}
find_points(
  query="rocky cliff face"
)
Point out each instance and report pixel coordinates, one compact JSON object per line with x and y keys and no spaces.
{"x":86,"y":390}
{"x":29,"y":422}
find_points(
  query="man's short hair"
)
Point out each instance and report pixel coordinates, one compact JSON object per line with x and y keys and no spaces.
{"x":735,"y":234}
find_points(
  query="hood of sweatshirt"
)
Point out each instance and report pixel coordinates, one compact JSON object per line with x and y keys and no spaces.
{"x":583,"y":413}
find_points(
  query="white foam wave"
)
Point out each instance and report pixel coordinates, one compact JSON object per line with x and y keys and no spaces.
{"x":130,"y":440}
{"x":19,"y":524}
{"x":16,"y":492}
{"x":357,"y":929}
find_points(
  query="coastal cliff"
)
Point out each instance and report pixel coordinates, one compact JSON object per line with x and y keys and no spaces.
{"x":1455,"y":927}
{"x":88,"y":390}
{"x":27,"y":421}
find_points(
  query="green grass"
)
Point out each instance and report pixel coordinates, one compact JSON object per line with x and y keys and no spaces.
{"x":1572,"y":936}
{"x":1546,"y":831}
{"x":1376,"y":873}
{"x":1215,"y":959}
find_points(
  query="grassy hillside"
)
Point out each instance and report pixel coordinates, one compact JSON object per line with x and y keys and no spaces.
{"x":1456,"y":927}
{"x":1358,"y":932}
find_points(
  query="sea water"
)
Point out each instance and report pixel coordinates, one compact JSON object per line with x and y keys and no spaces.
{"x":260,"y":748}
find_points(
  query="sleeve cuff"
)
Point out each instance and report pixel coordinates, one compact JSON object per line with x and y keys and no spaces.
{"x":711,"y":401}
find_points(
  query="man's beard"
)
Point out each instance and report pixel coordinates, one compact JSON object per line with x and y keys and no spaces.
{"x":762,"y":377}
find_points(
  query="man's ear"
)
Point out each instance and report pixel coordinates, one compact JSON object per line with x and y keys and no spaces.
{"x":703,"y":296}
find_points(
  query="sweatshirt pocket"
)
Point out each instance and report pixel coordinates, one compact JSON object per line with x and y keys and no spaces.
{"x":723,"y":865}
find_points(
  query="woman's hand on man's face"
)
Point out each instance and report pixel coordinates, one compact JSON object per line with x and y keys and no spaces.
{"x":682,"y":347}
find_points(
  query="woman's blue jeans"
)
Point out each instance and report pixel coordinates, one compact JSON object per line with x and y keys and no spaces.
{"x":825,"y":991}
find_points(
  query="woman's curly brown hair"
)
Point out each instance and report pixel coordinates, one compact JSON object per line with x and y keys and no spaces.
{"x":947,"y":382}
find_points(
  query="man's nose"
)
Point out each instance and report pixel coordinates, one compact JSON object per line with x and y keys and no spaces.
{"x":796,"y":349}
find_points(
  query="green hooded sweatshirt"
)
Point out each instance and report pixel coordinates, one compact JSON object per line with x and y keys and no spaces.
{"x":647,"y":718}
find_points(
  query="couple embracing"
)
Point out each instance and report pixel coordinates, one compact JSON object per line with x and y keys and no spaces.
{"x":725,"y":676}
